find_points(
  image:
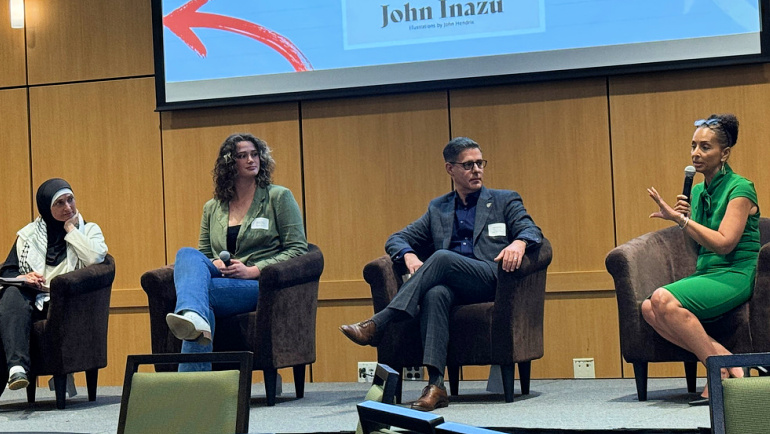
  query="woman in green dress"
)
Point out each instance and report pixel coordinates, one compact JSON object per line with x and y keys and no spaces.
{"x":724,"y":221}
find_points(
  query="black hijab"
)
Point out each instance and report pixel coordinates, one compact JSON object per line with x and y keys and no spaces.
{"x":57,"y":247}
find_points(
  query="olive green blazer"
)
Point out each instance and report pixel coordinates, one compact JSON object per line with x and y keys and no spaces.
{"x":271,"y":231}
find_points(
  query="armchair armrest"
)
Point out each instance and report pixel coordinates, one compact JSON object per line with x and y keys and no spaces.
{"x":638,"y":267}
{"x":759,"y":306}
{"x":382,"y":276}
{"x":159,"y":286}
{"x":84,"y":280}
{"x":79,"y":314}
{"x":283,"y":330}
{"x":519,"y":306}
{"x":295,"y":271}
{"x":650,"y":261}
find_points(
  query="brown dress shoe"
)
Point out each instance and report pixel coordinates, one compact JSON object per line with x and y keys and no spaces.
{"x":433,"y":397}
{"x":361,"y":333}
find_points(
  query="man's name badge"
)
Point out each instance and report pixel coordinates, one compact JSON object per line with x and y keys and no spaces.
{"x":497,"y":230}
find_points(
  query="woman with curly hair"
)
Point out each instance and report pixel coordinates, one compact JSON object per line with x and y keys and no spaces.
{"x":724,"y":221}
{"x":250,"y":220}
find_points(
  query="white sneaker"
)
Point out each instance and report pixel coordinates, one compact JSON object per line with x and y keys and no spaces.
{"x":189,"y":327}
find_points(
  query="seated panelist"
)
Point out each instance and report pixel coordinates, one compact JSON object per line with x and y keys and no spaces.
{"x":724,"y":221}
{"x":249,"y":224}
{"x":57,"y":242}
{"x":468,"y":231}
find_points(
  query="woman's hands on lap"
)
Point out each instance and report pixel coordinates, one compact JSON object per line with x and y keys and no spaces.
{"x":237,"y":270}
{"x":34,"y":278}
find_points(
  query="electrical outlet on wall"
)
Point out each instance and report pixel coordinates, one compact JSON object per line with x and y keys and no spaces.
{"x":366,"y":371}
{"x":584,"y":367}
{"x":414,"y":373}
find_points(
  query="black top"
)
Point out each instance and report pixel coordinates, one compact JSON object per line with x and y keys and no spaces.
{"x":232,"y":236}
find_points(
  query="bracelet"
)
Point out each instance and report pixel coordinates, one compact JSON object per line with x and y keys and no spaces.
{"x":683,"y":222}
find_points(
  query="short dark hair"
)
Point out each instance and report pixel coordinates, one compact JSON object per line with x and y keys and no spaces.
{"x":726,"y":130}
{"x":456,"y":146}
{"x":224,"y":172}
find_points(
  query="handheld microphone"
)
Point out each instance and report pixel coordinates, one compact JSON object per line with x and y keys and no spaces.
{"x":224,"y":255}
{"x":689,"y":174}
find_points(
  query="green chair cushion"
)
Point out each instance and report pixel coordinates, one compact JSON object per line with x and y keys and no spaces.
{"x":747,"y":405}
{"x":188,"y":402}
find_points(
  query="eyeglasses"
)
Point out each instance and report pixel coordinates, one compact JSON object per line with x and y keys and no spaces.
{"x":707,"y":122}
{"x":243,"y":155}
{"x":714,"y":123}
{"x":468,"y":165}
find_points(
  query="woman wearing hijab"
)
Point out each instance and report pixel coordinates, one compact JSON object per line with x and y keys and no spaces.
{"x":57,"y":242}
{"x":250,"y":219}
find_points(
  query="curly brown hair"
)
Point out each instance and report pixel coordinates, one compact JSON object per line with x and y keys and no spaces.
{"x":225,"y":172}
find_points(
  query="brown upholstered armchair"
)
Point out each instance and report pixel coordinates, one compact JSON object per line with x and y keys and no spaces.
{"x":73,"y":335}
{"x":504,"y":332}
{"x":280,"y":333}
{"x":652,"y":260}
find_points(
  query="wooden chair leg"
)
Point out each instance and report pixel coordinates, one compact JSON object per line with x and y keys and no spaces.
{"x":640,"y":375}
{"x":60,"y":388}
{"x":271,"y":376}
{"x":507,"y":372}
{"x":92,"y":379}
{"x":525,"y":371}
{"x":690,"y":373}
{"x":31,"y":389}
{"x":453,"y":372}
{"x":299,"y":380}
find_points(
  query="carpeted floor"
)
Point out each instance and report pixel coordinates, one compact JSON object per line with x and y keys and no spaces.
{"x":553,"y":406}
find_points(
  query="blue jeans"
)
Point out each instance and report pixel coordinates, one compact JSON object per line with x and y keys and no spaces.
{"x":201,"y":288}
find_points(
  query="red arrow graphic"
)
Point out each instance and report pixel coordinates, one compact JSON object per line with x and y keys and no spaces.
{"x":182,"y":20}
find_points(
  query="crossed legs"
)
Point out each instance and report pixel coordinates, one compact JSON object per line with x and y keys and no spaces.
{"x":445,"y":279}
{"x":681,"y":327}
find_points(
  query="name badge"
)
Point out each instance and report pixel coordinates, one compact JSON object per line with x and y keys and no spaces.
{"x":497,"y":230}
{"x":260,"y":223}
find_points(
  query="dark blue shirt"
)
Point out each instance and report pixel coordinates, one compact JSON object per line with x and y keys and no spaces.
{"x":462,"y":230}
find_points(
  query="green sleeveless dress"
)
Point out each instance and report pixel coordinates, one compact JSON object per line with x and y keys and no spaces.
{"x":720,"y":282}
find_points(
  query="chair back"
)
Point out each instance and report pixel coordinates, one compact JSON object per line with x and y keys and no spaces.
{"x":738,"y":405}
{"x":189,"y":402}
{"x":373,"y":415}
{"x":383,"y":388}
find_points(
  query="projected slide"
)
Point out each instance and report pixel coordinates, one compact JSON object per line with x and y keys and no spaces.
{"x":237,"y":48}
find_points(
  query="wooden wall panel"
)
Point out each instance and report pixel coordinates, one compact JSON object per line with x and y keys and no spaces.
{"x":577,"y":326}
{"x":191,"y":141}
{"x":652,"y":126}
{"x":337,"y":357}
{"x":129,"y":333}
{"x":87,"y":40}
{"x":13,"y":64}
{"x":550,"y":143}
{"x":103,"y":138}
{"x":14,"y":141}
{"x":371,"y":166}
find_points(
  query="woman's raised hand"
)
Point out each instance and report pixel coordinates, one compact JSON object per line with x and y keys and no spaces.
{"x":665,"y":211}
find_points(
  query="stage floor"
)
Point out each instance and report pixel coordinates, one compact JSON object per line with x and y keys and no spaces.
{"x":331,"y":408}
